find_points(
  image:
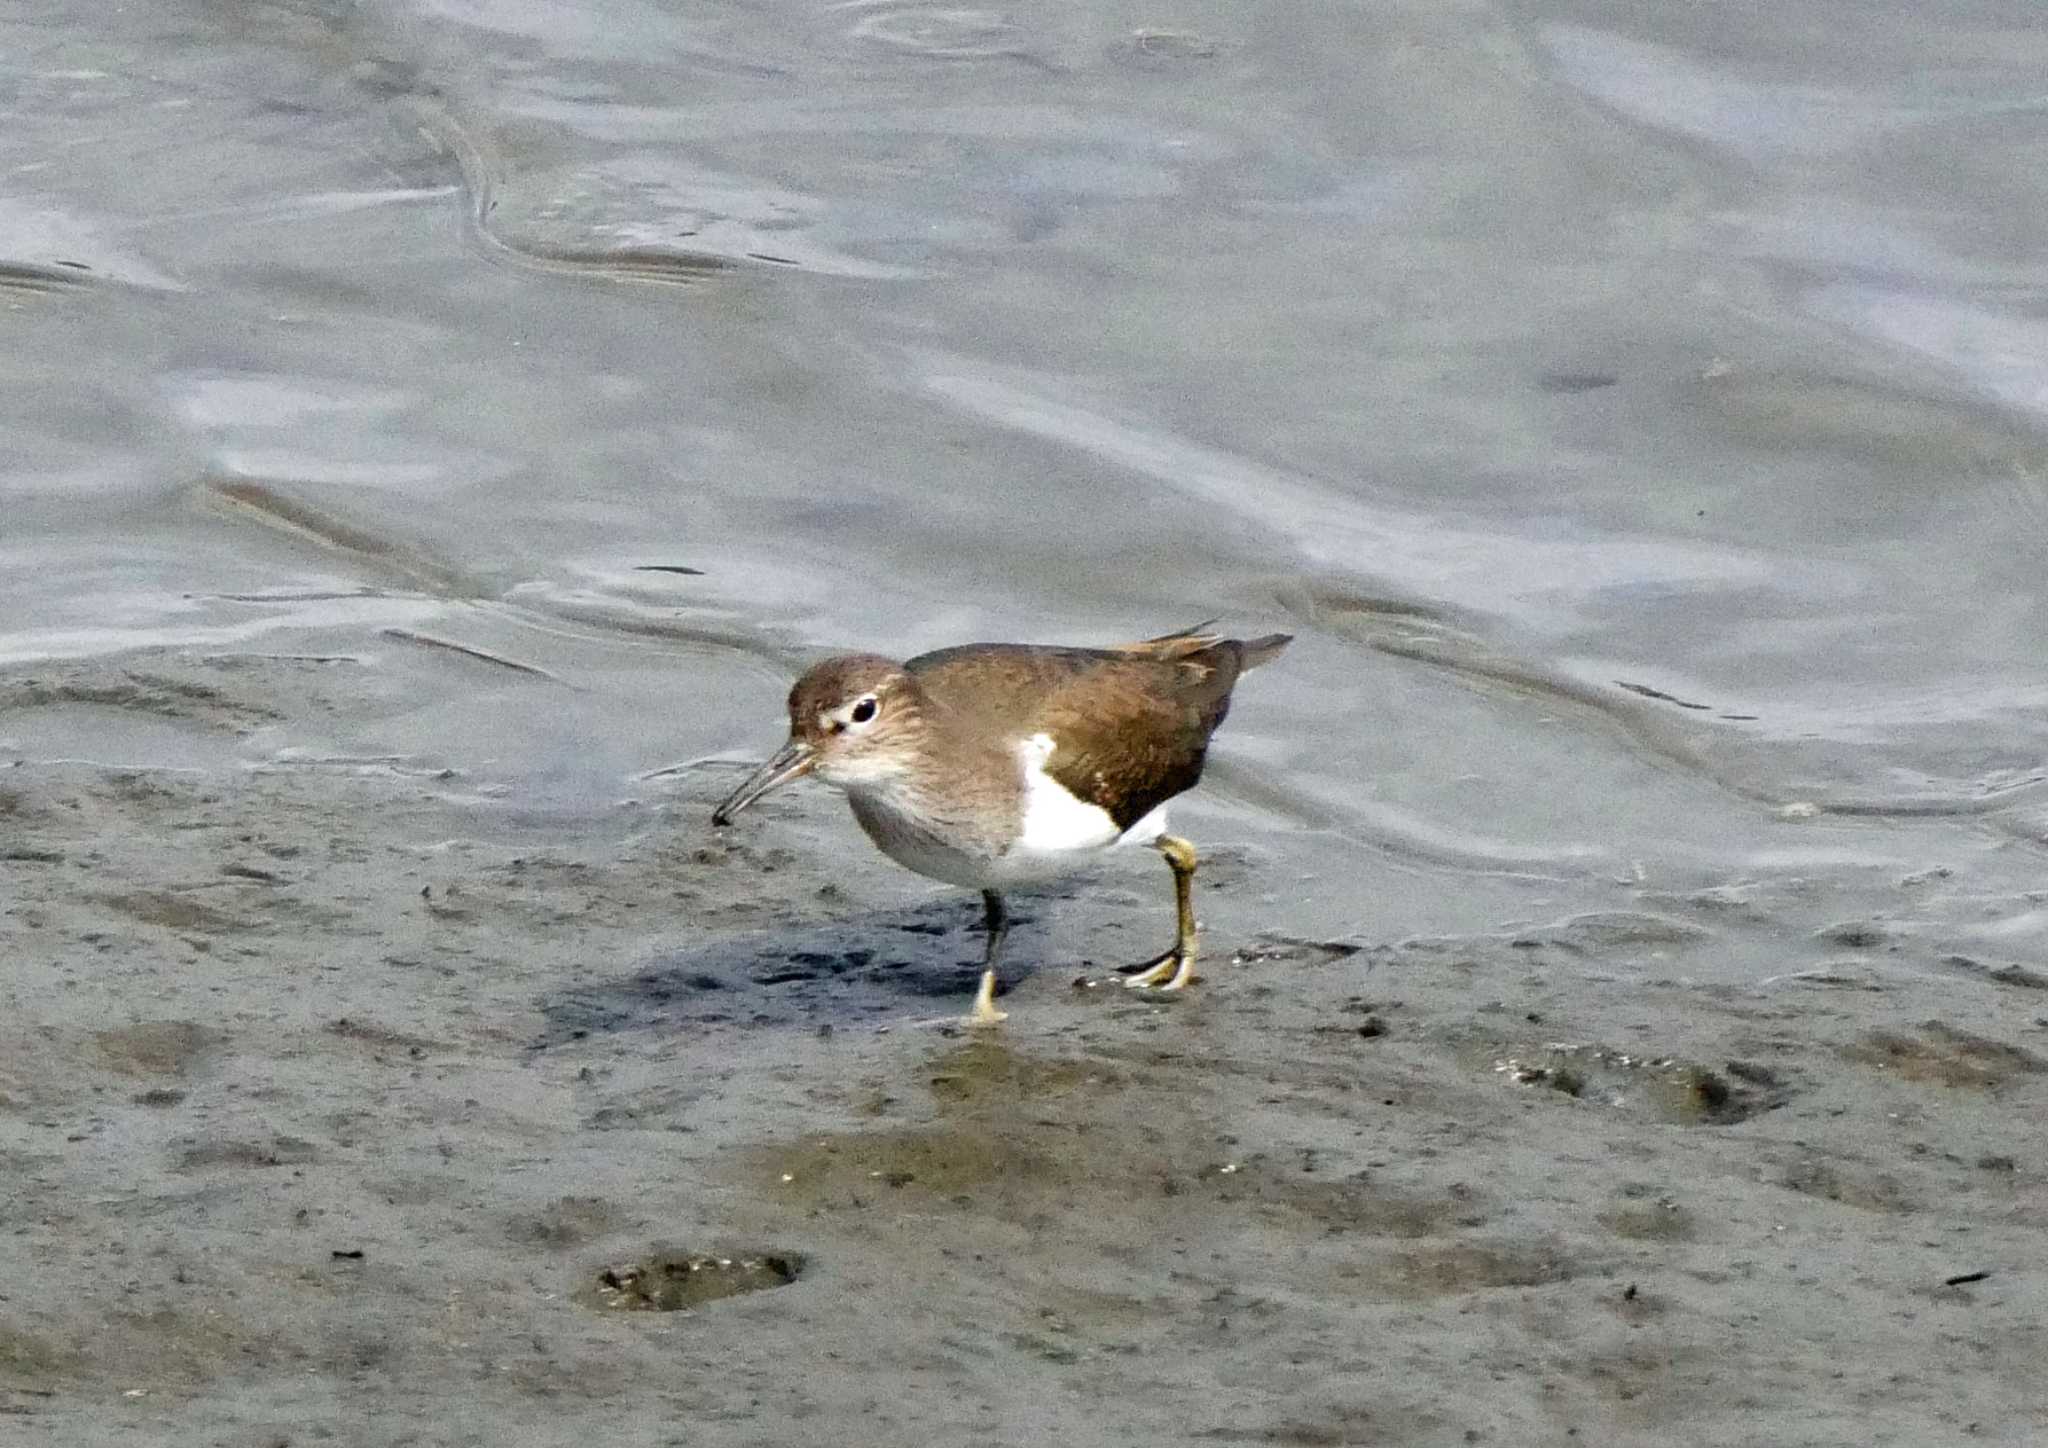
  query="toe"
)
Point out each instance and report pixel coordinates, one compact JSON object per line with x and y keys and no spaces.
{"x":1165,"y":969}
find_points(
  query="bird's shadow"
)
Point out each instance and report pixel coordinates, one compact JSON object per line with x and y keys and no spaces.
{"x":877,"y":965}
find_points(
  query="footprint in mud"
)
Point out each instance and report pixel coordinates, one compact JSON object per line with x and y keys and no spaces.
{"x":1669,"y":1089}
{"x":680,"y":1281}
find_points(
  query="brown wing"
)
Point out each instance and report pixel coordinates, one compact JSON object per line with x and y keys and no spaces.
{"x":997,"y":687}
{"x":1134,"y":729}
{"x":1133,"y":722}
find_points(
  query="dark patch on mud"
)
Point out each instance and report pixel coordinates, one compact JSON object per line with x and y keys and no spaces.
{"x":1456,"y":1268}
{"x":157,"y":1048}
{"x":862,"y":967}
{"x":1602,"y":932}
{"x":1644,"y":1216}
{"x":26,"y":1358}
{"x":944,"y":1163}
{"x":1025,"y":1138}
{"x":565,"y":1223}
{"x":381,"y":1039}
{"x":1847,"y":1183}
{"x":2012,"y":973}
{"x":1035,"y":1171}
{"x":30,"y":855}
{"x":277,"y":1151}
{"x":1274,"y":945}
{"x":1943,"y":1055}
{"x":644,"y":1106}
{"x":986,"y":1075}
{"x":1856,"y":935}
{"x":160,"y":695}
{"x":173,"y":911}
{"x":1670,"y":1089}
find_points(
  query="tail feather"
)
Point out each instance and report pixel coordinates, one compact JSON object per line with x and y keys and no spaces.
{"x":1176,"y":645}
{"x":1187,"y":643}
{"x":1193,"y":631}
{"x":1258,"y":651}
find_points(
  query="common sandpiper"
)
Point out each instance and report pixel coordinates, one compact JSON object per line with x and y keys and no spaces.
{"x":994,"y":765}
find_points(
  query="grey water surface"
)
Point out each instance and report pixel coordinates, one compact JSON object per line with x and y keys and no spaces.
{"x":1635,"y":409}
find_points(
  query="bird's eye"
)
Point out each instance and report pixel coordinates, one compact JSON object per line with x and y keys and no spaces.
{"x":863,"y":710}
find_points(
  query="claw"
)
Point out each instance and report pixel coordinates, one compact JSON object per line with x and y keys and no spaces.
{"x":1173,"y":969}
{"x":1170,"y":971}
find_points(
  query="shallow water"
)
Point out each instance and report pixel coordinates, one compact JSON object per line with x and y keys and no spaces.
{"x":1637,"y":413}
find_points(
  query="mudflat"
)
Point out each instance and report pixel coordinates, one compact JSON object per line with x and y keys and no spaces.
{"x":346,"y":1102}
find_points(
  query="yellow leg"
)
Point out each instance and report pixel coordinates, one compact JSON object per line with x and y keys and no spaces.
{"x":998,"y":919}
{"x":985,"y":1012}
{"x":1175,"y":968}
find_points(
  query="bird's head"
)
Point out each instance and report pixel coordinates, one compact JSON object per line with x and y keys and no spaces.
{"x":854,"y":721}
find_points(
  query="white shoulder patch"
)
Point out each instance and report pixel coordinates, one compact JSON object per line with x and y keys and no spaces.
{"x":1056,"y":822}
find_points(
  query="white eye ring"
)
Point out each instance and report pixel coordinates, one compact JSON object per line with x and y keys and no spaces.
{"x":854,"y":717}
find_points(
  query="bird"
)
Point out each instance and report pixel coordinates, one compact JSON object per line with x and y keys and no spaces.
{"x":993,"y":765}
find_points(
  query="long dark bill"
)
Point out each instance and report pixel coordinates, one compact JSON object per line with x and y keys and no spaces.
{"x":792,"y":761}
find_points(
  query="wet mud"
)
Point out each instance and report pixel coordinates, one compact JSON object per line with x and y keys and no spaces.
{"x":331,"y":1088}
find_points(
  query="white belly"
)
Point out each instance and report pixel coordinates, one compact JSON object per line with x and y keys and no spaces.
{"x":1057,"y":833}
{"x":1058,"y":827}
{"x":917,"y":843}
{"x":1037,"y":857}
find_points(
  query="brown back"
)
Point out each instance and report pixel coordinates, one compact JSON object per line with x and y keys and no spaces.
{"x":1133,"y":722}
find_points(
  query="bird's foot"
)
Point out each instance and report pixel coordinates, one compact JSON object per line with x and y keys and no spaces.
{"x":981,"y":1018}
{"x":1170,"y":970}
{"x":985,"y":1013}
